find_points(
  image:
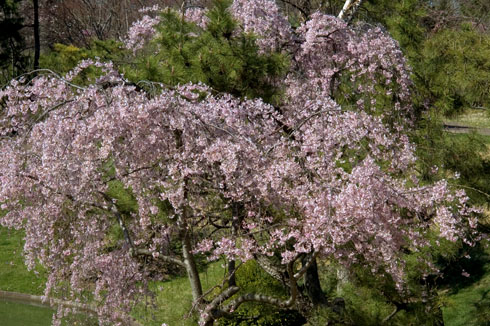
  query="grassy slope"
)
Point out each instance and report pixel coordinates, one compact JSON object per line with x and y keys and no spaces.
{"x":14,"y":275}
{"x":14,"y":314}
{"x":472,"y":118}
{"x":174,"y":298}
{"x":461,"y":307}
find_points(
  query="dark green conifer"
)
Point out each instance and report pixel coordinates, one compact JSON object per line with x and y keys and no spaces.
{"x":221,"y":56}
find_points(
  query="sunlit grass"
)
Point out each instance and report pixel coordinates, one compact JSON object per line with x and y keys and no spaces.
{"x":473,"y":118}
{"x":464,"y":307}
{"x":17,"y":314}
{"x":14,"y":275}
{"x":174,"y":298}
{"x":172,"y":302}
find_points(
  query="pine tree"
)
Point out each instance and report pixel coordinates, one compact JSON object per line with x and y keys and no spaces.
{"x":218,"y":55}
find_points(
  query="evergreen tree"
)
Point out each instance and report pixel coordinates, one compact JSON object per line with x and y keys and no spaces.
{"x":219,"y":55}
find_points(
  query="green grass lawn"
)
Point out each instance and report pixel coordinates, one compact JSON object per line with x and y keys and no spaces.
{"x":14,"y":275}
{"x":472,"y":118}
{"x":174,"y":297}
{"x":464,"y":307}
{"x":17,"y":314}
{"x":172,"y":302}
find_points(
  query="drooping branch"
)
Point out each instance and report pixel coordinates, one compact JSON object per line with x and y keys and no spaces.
{"x":127,"y":237}
{"x":53,"y":74}
{"x":391,"y":315}
{"x":117,"y":214}
{"x":37,"y":42}
{"x":305,"y":12}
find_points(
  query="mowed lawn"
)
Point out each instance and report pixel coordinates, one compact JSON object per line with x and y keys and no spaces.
{"x":472,"y":118}
{"x":461,"y":307}
{"x":171,"y":305}
{"x":14,"y":275}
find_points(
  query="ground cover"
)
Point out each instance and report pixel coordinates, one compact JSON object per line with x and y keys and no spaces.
{"x":17,"y":314}
{"x":174,"y":297}
{"x":464,"y":305}
{"x":172,"y":302}
{"x":14,"y":275}
{"x":470,"y":305}
{"x":475,"y":118}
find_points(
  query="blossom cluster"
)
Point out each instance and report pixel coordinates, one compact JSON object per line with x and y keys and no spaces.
{"x":339,"y":168}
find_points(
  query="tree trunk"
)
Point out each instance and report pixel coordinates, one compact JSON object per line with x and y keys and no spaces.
{"x":342,"y":279}
{"x":185,"y":237}
{"x":37,"y":42}
{"x":231,"y":273}
{"x":238,"y":211}
{"x":312,"y":283}
{"x":191,"y":268}
{"x":349,"y":9}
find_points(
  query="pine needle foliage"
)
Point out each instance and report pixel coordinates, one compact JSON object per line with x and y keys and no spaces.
{"x":457,"y":69}
{"x":220,"y":55}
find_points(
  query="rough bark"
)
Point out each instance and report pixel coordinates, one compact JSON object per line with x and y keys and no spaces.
{"x":191,"y":268}
{"x":237,"y":218}
{"x":212,"y":311}
{"x":342,"y":279}
{"x":312,"y":283}
{"x":185,"y":238}
{"x":189,"y":261}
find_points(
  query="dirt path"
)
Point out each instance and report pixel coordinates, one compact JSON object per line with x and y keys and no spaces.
{"x":457,"y":128}
{"x":38,"y":301}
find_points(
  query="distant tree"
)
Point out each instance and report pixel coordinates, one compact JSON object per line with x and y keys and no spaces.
{"x":13,"y":60}
{"x":37,"y":38}
{"x":79,"y":22}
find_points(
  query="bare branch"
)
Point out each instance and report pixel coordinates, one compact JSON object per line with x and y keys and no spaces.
{"x":168,"y":259}
{"x":269,"y":268}
{"x":51,"y":72}
{"x":267,"y":299}
{"x":299,"y":8}
{"x":391,"y":315}
{"x":306,"y":266}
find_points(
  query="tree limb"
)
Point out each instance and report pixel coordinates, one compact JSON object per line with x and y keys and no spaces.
{"x":349,"y":9}
{"x":306,"y":266}
{"x":300,"y":9}
{"x":269,"y":268}
{"x":168,"y":259}
{"x":267,"y":299}
{"x":391,"y":315}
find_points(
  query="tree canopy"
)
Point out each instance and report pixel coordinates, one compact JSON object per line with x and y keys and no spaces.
{"x":247,"y":139}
